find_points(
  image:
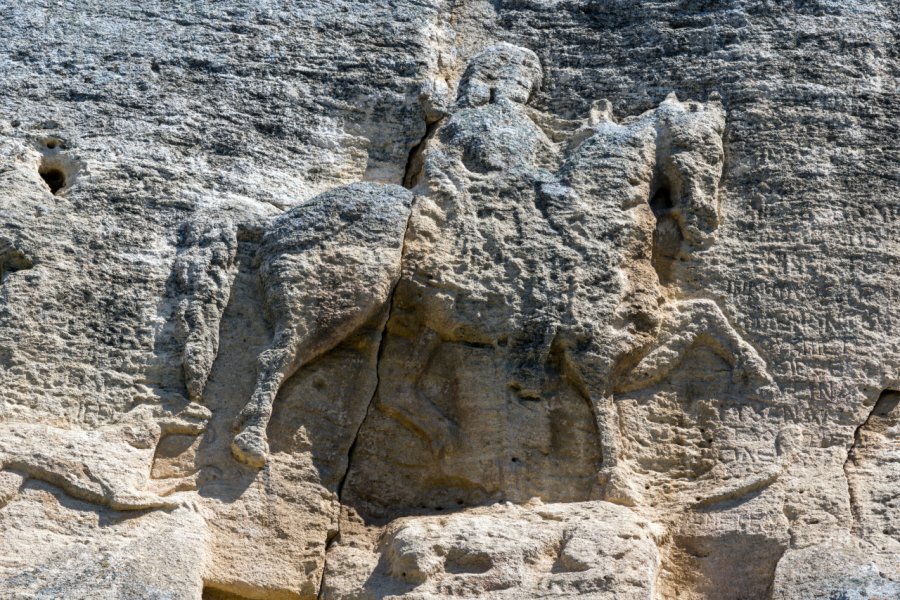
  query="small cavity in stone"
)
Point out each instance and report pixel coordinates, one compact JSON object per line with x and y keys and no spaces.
{"x":59,"y":170}
{"x":54,"y":178}
{"x":667,"y":237}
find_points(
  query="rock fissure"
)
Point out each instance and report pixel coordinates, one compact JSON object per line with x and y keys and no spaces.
{"x":886,"y":402}
{"x":336,"y":536}
{"x":851,"y":492}
{"x":410,"y":173}
{"x":328,"y":542}
{"x":415,"y":162}
{"x":379,"y":356}
{"x":415,"y":401}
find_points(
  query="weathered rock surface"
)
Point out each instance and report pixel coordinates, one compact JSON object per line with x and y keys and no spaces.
{"x":630,"y":331}
{"x":582,"y":549}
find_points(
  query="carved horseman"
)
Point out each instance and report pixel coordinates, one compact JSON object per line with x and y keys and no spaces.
{"x":606,"y":310}
{"x":329,"y":266}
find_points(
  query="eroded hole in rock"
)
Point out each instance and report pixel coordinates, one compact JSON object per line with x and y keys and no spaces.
{"x":54,"y":178}
{"x":58,"y":169}
{"x":661,"y":202}
{"x":887,"y":404}
{"x":472,"y":563}
{"x":667,"y":237}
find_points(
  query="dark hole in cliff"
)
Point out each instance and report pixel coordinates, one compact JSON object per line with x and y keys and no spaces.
{"x":661,"y":202}
{"x":887,"y":403}
{"x":667,"y":237}
{"x":460,"y":562}
{"x":415,"y":162}
{"x":53,"y":177}
{"x":52,"y":143}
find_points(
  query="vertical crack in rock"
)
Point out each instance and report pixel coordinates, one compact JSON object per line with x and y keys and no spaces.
{"x":856,"y":524}
{"x":343,"y":480}
{"x":857,"y":439}
{"x":413,"y":168}
{"x":854,"y":508}
{"x":330,"y":539}
{"x":416,"y":161}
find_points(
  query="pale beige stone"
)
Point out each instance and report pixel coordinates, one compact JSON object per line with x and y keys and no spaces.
{"x":630,"y":331}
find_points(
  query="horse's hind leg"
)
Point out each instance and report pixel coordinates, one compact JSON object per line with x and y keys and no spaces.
{"x":275,"y":365}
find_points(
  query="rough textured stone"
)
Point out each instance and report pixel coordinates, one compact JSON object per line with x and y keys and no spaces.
{"x":583,"y":549}
{"x":630,"y":331}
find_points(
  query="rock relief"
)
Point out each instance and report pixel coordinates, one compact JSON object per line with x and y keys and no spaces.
{"x":540,"y":321}
{"x":541,"y":273}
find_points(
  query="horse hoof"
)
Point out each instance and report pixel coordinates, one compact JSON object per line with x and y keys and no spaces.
{"x":250,"y":447}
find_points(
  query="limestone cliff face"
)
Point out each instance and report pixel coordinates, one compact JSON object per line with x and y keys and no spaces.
{"x":433,"y":299}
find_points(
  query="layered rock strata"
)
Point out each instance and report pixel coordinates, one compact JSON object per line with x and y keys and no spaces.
{"x":430,"y":299}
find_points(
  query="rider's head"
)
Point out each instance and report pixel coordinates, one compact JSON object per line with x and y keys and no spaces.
{"x":503,"y":71}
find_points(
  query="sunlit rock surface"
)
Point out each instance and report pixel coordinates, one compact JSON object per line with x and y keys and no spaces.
{"x":432,"y":299}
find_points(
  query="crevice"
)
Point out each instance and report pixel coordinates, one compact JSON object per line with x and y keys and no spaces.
{"x":384,"y":329}
{"x":667,"y":236}
{"x":379,"y":355}
{"x":335,"y":536}
{"x":328,"y":543}
{"x":416,"y":160}
{"x":884,"y":399}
